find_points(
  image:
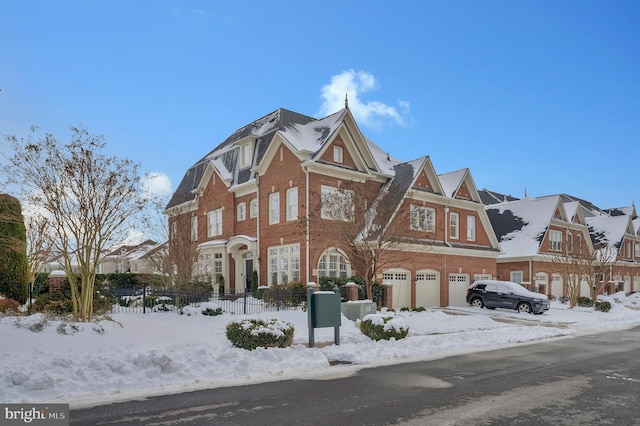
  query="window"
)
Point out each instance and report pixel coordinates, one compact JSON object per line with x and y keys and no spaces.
{"x":555,"y":240}
{"x":253,"y":208}
{"x":292,"y":203}
{"x":274,"y":208}
{"x":242,"y":211}
{"x":471,"y":228}
{"x":214,"y":223}
{"x":338,"y":154}
{"x":637,"y":250}
{"x":284,"y":264}
{"x":194,"y":228}
{"x":337,"y":204}
{"x":245,"y":155}
{"x":569,"y":242}
{"x":478,"y":277}
{"x":333,"y":263}
{"x":454,"y":222}
{"x":174,"y":231}
{"x":579,"y":243}
{"x":516,"y":276}
{"x":423,"y":218}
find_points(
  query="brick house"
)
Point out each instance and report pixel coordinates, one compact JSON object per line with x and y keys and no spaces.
{"x":275,"y":196}
{"x":535,"y":232}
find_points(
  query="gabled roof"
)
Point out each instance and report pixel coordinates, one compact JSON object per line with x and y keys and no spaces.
{"x":609,"y":230}
{"x":520,"y":225}
{"x":491,"y":197}
{"x":459,"y":184}
{"x":306,"y":137}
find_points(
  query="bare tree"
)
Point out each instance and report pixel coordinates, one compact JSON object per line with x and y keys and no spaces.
{"x":571,"y":267}
{"x":599,"y":270}
{"x":181,"y":255}
{"x":360,"y":223}
{"x":87,"y":195}
{"x":39,"y":242}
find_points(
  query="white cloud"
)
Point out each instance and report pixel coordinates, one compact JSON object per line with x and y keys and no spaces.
{"x":157,"y":185}
{"x":354,"y":84}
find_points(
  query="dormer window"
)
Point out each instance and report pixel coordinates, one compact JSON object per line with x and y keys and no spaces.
{"x":246,"y":155}
{"x":338,"y":154}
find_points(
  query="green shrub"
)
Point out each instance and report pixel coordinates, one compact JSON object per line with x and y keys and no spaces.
{"x":252,"y":333}
{"x":384,"y":326}
{"x":9,"y":306}
{"x":584,"y":302}
{"x":603,"y":306}
{"x":59,"y":307}
{"x":46,"y":298}
{"x":212,"y":312}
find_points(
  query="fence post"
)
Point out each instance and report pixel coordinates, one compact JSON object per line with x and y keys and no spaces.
{"x":245,"y":301}
{"x":144,"y":299}
{"x":278,"y":296}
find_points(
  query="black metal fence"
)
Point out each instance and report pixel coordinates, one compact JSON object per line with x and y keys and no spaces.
{"x":154,"y":299}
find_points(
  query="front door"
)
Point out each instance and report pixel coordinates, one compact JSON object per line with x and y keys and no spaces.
{"x":248,"y":273}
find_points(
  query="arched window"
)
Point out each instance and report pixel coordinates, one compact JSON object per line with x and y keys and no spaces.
{"x":334,"y":263}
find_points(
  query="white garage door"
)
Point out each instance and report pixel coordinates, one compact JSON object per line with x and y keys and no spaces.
{"x":556,"y":286}
{"x":427,"y":289}
{"x":458,"y":285}
{"x":401,"y":281}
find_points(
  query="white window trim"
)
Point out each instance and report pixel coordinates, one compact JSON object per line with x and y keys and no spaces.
{"x":338,"y":154}
{"x":454,"y":225}
{"x":555,"y":240}
{"x":241,"y":214}
{"x":274,"y":208}
{"x":253,"y":208}
{"x":194,"y":228}
{"x":283,"y":266}
{"x":246,"y":155}
{"x":471,"y":228}
{"x":214,"y":223}
{"x":292,"y":204}
{"x":419,"y":223}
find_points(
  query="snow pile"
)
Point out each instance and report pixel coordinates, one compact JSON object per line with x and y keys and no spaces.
{"x":127,"y":355}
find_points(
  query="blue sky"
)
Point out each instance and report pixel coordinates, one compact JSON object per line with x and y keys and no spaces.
{"x":536,"y":95}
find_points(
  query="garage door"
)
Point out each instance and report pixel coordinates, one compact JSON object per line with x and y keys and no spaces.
{"x":401,"y":281}
{"x":556,"y":286}
{"x":458,"y":285}
{"x":427,"y":289}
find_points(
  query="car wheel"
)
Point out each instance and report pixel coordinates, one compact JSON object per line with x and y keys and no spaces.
{"x":524,"y":307}
{"x":477,"y":303}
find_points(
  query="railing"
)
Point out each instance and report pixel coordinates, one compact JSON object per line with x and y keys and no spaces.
{"x":152,"y":299}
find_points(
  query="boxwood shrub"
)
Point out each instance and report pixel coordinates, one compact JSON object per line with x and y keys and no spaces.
{"x":251,"y":333}
{"x":384,"y":326}
{"x":603,"y":306}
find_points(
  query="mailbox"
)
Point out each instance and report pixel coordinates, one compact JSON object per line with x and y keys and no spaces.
{"x":325,"y":309}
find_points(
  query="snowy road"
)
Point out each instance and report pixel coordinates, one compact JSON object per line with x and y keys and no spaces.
{"x":589,"y":380}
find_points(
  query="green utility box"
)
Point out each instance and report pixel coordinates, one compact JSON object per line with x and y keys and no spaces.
{"x":325,"y":309}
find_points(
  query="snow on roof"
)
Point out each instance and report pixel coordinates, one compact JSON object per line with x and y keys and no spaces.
{"x":385,"y":162}
{"x":520,"y":225}
{"x":218,"y":164}
{"x":310,"y":136}
{"x":608,"y":230}
{"x":571,"y":208}
{"x":451,"y":181}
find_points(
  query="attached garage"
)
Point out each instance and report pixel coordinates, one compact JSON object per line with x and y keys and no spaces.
{"x":458,"y":285}
{"x":427,"y":288}
{"x":401,"y":281}
{"x":556,"y":286}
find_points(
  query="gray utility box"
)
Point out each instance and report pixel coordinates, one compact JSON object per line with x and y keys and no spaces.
{"x":358,"y":310}
{"x":325,"y":310}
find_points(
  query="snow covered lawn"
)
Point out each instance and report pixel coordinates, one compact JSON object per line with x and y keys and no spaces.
{"x":127,"y":356}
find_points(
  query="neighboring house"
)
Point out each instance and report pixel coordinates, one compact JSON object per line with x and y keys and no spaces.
{"x":264,"y":200}
{"x":535,"y":232}
{"x":130,"y":258}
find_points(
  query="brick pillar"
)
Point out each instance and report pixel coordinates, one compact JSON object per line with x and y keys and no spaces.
{"x":56,"y":281}
{"x":352,"y":291}
{"x":387,"y":289}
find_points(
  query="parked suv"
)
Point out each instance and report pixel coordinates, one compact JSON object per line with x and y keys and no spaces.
{"x":506,"y":294}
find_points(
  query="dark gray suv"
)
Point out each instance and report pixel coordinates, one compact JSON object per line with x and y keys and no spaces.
{"x":506,"y":294}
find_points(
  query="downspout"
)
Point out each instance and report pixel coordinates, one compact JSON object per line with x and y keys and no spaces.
{"x":306,"y":224}
{"x":258,"y":256}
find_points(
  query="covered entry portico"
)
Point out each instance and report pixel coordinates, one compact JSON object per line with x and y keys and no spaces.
{"x":244,"y":253}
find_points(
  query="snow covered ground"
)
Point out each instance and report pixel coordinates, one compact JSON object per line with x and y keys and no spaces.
{"x":127,"y":356}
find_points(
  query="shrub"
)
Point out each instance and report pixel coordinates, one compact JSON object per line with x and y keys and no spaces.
{"x":44,"y":299}
{"x":603,"y":306}
{"x":584,"y":302}
{"x":212,"y":312}
{"x":384,"y":326}
{"x":59,"y":307}
{"x":9,"y":306}
{"x":251,"y":333}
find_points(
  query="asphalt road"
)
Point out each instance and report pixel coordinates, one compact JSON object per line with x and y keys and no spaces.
{"x":592,"y":380}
